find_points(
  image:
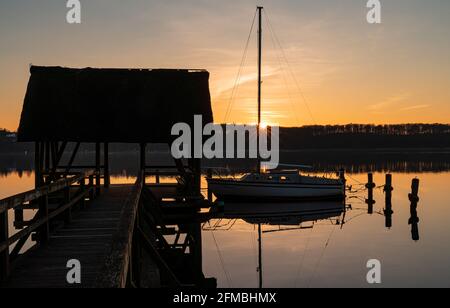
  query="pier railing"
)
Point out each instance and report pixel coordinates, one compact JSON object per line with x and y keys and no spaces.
{"x":65,"y":194}
{"x":123,"y":265}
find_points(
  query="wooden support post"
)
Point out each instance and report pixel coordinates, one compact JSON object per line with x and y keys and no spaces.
{"x":47,"y":158}
{"x":196,"y":165}
{"x":142,"y":156}
{"x":37,"y":165}
{"x":82,"y":188}
{"x":370,"y":186}
{"x":142,"y":159}
{"x":157,"y":177}
{"x":388,"y":194}
{"x":44,"y":230}
{"x":54,"y":155}
{"x":4,"y":255}
{"x":18,"y":218}
{"x":342,"y":176}
{"x":106,"y":175}
{"x":344,"y":180}
{"x":66,"y":201}
{"x":195,"y":249}
{"x":97,"y":169}
{"x":91,"y":188}
{"x":414,"y":219}
{"x":210,"y":193}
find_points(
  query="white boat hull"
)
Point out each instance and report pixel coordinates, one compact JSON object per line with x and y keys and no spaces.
{"x":239,"y":190}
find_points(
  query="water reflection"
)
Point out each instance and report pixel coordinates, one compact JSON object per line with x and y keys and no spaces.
{"x":363,"y":161}
{"x":333,"y":241}
{"x":328,"y":248}
{"x":283,"y":214}
{"x":279,"y":217}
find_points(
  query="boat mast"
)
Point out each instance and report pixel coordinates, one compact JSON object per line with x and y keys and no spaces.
{"x":260,"y":8}
{"x":260,"y":271}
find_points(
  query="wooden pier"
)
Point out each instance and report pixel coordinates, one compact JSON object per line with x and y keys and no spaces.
{"x":146,"y":234}
{"x":119,"y":237}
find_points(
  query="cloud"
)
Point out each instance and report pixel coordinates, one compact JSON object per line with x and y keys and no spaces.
{"x":416,"y":107}
{"x":389,"y":101}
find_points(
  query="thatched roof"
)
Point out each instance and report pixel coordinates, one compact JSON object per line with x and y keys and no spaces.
{"x":111,"y":105}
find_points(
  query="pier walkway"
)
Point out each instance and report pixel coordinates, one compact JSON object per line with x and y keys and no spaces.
{"x":118,"y":234}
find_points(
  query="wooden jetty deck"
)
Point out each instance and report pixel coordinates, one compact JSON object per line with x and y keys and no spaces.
{"x":87,"y":238}
{"x":120,"y":235}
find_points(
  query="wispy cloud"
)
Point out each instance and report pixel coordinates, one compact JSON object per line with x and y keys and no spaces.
{"x":416,"y":107}
{"x":389,"y":101}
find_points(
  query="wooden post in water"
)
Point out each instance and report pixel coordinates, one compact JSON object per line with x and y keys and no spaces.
{"x":370,"y":186}
{"x":388,"y":196}
{"x":414,"y":219}
{"x":4,"y":255}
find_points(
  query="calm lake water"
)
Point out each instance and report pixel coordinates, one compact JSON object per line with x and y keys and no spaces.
{"x":330,"y":254}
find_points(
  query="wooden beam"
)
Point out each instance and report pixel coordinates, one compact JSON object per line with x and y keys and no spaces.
{"x":162,"y":265}
{"x":4,"y":255}
{"x":37,"y":165}
{"x":16,"y":251}
{"x":97,"y":168}
{"x":142,"y":156}
{"x":47,"y":156}
{"x":106,"y":165}
{"x":72,"y":157}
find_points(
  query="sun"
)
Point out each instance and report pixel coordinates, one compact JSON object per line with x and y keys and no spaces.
{"x":263,"y":125}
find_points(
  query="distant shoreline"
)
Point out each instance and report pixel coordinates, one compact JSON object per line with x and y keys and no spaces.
{"x":397,"y":150}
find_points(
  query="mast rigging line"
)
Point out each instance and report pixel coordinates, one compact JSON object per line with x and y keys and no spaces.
{"x":238,"y":77}
{"x":297,"y":84}
{"x":222,"y":262}
{"x":282,"y":69}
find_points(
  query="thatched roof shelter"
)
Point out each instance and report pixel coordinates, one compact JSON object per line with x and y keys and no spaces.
{"x":111,"y":105}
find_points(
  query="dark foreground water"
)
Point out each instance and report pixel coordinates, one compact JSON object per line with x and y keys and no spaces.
{"x":330,"y":248}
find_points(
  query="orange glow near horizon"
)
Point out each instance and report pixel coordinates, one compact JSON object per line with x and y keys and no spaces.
{"x":338,"y":68}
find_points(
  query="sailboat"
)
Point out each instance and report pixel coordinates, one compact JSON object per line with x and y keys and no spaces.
{"x":275,"y":186}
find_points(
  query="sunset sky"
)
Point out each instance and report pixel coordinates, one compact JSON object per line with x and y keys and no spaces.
{"x":349,"y":71}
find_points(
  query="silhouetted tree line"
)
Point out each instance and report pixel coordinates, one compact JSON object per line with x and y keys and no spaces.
{"x":366,"y":136}
{"x":349,"y":136}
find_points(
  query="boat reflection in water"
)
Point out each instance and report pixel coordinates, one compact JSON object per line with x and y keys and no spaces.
{"x":283,"y":213}
{"x":287,"y":216}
